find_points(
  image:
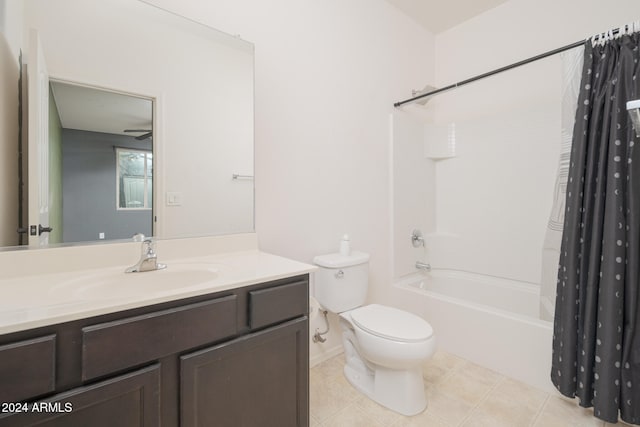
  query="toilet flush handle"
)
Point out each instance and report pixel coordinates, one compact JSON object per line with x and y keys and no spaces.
{"x":339,"y":274}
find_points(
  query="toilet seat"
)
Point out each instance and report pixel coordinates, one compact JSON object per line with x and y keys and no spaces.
{"x":391,"y":323}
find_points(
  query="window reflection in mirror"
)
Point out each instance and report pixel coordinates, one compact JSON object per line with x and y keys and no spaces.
{"x":135,"y":173}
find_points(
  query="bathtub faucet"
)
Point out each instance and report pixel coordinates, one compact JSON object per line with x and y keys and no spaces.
{"x":423,"y":266}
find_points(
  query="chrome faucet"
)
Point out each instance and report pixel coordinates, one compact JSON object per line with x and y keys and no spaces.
{"x":148,"y":260}
{"x":423,"y":266}
{"x":416,"y":238}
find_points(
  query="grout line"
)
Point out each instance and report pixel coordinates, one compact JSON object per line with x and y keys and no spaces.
{"x":540,"y":410}
{"x":482,"y":400}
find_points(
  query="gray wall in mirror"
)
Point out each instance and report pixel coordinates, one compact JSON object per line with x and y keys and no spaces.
{"x":201,"y":81}
{"x":89,"y":182}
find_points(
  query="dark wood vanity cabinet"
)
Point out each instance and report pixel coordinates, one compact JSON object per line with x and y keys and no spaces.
{"x":238,"y":358}
{"x":261,"y":380}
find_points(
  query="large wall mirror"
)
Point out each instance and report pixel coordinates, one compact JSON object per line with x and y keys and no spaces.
{"x":135,"y":120}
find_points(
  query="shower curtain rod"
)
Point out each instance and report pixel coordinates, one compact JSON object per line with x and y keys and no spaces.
{"x":499,"y":70}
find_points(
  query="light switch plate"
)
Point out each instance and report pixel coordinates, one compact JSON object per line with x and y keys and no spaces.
{"x":174,"y":198}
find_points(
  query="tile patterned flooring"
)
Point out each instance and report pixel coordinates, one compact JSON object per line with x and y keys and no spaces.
{"x":459,"y":393}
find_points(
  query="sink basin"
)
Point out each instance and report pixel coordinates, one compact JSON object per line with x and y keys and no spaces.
{"x":117,"y":284}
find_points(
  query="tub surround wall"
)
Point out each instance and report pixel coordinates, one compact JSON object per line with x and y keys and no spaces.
{"x":492,"y":199}
{"x":496,"y":195}
{"x":414,"y":204}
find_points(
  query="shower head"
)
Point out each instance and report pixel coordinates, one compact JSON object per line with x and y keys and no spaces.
{"x":426,"y":89}
{"x":634,"y":111}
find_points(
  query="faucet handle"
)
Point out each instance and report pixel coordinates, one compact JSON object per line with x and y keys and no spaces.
{"x":148,"y":246}
{"x":416,"y":238}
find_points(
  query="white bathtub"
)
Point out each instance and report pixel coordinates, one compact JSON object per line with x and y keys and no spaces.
{"x":488,"y":320}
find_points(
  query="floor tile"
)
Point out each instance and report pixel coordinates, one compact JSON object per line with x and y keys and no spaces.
{"x":517,"y":391}
{"x":329,"y":369}
{"x":422,"y":420}
{"x":313,"y":422}
{"x":434,"y":374}
{"x":352,"y":416}
{"x":465,"y":388}
{"x":447,"y":408}
{"x":558,"y":412}
{"x":385,"y":416}
{"x":480,"y":373}
{"x":509,"y":404}
{"x":444,"y":361}
{"x":459,"y":393}
{"x":327,"y":398}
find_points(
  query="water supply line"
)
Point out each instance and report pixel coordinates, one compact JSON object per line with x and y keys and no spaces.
{"x":317,"y":337}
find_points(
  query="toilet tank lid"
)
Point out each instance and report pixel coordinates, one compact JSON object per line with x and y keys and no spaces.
{"x":338,"y":260}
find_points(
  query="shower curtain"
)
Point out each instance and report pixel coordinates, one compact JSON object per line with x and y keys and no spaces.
{"x":596,"y":340}
{"x":572,"y":61}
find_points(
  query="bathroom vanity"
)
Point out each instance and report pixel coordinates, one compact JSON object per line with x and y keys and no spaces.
{"x":230,"y":350}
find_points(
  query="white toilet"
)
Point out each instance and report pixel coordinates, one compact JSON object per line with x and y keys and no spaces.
{"x":384,"y":347}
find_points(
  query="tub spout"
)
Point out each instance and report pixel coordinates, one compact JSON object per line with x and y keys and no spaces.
{"x":423,"y":266}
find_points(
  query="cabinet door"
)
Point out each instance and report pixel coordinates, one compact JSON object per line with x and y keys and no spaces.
{"x":130,"y":400}
{"x":260,"y":379}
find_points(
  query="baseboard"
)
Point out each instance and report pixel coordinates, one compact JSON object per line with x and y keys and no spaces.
{"x":326,"y":354}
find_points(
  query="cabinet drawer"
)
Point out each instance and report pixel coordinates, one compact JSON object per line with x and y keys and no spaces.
{"x":273,"y":305}
{"x":113,"y":346}
{"x":131,"y":400}
{"x":27,"y":368}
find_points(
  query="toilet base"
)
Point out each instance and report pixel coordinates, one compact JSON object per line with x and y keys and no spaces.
{"x":400,"y":391}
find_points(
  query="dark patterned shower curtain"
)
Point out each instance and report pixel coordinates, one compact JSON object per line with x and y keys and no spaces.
{"x":596,"y":340}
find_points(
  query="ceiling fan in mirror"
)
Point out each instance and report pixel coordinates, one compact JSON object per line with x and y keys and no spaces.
{"x":147,"y":133}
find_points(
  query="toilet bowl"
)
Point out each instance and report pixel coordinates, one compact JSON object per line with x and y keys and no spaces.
{"x":390,"y":337}
{"x":384,"y":346}
{"x":385,"y":363}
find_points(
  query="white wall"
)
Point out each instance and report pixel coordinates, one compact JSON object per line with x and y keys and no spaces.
{"x":327,"y":74}
{"x":495,"y":196}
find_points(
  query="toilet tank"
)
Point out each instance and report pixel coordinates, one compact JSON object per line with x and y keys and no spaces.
{"x":341,"y":282}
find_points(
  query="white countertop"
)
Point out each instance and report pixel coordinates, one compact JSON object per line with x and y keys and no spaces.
{"x":37,"y":300}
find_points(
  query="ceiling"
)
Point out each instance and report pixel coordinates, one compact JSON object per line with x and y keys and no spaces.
{"x":440,"y":15}
{"x":91,"y":109}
